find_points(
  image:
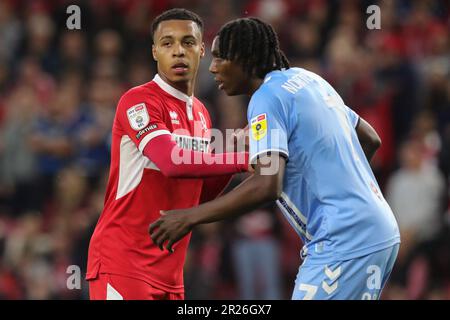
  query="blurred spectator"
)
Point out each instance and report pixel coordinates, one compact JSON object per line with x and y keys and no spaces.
{"x":257,"y":255}
{"x":38,"y":39}
{"x":10,"y":32}
{"x":415,"y":192}
{"x":93,"y":135}
{"x":18,"y":169}
{"x":202,"y":268}
{"x":32,"y":75}
{"x":52,"y":139}
{"x":73,"y":54}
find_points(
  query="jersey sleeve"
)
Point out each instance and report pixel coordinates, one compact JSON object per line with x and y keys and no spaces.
{"x":268,"y":126}
{"x":353,"y":117}
{"x":141,"y":118}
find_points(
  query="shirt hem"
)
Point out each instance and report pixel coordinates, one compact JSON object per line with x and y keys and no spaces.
{"x":343,"y":256}
{"x":92,"y":275}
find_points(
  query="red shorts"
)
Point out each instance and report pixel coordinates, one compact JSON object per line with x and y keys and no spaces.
{"x":115,"y":287}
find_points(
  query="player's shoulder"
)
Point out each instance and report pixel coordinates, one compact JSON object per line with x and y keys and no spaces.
{"x":147,"y":93}
{"x":146,"y":90}
{"x":270,"y":88}
{"x":199,"y":103}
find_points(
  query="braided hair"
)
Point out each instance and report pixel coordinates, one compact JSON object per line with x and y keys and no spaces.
{"x":254,"y":44}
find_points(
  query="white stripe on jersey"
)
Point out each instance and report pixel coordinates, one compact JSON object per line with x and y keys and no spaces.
{"x":131,"y":166}
{"x":150,"y":136}
{"x":295,"y":217}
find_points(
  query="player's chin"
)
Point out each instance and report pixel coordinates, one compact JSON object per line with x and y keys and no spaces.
{"x":180,"y":77}
{"x":231,"y":91}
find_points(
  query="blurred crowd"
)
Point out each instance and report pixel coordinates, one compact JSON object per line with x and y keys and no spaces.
{"x":58,"y":93}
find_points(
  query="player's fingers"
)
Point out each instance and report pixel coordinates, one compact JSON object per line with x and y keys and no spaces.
{"x":154,"y":225}
{"x":161,"y":240}
{"x":162,"y":212}
{"x":156,"y":235}
{"x":169,"y":245}
{"x":173,"y":240}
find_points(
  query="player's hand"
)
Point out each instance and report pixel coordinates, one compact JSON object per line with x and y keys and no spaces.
{"x":171,"y":227}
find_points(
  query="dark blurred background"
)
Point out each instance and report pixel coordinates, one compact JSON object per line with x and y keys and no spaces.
{"x":58,"y":93}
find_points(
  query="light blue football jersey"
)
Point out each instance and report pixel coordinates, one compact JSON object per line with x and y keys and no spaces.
{"x":330,"y":194}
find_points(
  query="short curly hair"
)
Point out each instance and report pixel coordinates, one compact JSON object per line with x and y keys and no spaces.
{"x":177,"y":14}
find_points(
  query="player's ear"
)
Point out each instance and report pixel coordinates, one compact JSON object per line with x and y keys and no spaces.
{"x":154,"y":52}
{"x":202,"y":50}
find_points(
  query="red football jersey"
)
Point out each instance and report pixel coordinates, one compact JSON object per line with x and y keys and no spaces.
{"x":137,"y":190}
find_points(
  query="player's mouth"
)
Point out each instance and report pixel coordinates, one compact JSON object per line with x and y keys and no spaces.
{"x":180,"y":68}
{"x":219,"y":84}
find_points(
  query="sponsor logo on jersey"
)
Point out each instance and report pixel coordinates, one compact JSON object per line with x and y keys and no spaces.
{"x":138,"y":116}
{"x":145,"y":130}
{"x":174,"y":117}
{"x":192,"y":143}
{"x":259,"y":126}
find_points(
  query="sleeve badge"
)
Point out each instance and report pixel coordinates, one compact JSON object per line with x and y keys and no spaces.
{"x":138,"y":116}
{"x":259,"y":126}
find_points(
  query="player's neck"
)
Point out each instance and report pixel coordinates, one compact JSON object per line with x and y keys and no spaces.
{"x":186,"y":87}
{"x":254,"y":85}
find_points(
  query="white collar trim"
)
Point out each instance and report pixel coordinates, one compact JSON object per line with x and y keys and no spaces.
{"x":171,"y":90}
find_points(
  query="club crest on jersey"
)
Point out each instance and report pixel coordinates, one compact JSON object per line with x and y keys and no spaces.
{"x":138,"y":116}
{"x":203,"y":121}
{"x":259,"y":126}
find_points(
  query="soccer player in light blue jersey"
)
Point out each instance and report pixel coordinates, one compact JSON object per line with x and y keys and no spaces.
{"x":311,"y":155}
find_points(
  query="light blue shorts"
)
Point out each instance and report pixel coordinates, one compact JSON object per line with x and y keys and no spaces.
{"x":362,"y":278}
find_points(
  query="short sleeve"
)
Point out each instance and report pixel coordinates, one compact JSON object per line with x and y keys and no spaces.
{"x":141,"y":118}
{"x":268,"y":125}
{"x":353,"y":116}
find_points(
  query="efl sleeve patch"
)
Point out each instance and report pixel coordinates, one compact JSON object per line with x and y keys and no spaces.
{"x":138,"y":116}
{"x":259,"y":126}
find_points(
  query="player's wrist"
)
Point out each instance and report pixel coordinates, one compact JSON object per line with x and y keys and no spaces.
{"x":192,"y":219}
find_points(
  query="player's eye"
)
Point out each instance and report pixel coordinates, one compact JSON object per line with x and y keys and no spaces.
{"x":189,"y":43}
{"x":166,"y":44}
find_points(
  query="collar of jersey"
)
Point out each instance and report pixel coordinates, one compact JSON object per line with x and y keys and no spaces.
{"x":171,"y":90}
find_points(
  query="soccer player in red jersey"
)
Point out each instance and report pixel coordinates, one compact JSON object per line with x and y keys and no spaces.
{"x":154,"y":122}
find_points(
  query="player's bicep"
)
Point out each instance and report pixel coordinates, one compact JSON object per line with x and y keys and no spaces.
{"x":269,"y":170}
{"x":367,"y":134}
{"x":268,"y":128}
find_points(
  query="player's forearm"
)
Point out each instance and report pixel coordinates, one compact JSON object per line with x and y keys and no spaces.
{"x":175,"y":162}
{"x":249,"y":195}
{"x":213,"y":187}
{"x":205,"y":165}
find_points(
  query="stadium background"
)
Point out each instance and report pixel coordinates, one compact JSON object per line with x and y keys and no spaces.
{"x":59,"y":89}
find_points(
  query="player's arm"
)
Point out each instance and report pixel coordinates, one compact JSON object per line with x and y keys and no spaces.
{"x":213,"y":187}
{"x":368,"y":137}
{"x":143,"y":120}
{"x":263,"y":186}
{"x":175,"y":162}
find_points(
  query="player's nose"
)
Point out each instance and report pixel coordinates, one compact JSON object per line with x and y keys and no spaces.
{"x":212,"y":67}
{"x":178,"y":50}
